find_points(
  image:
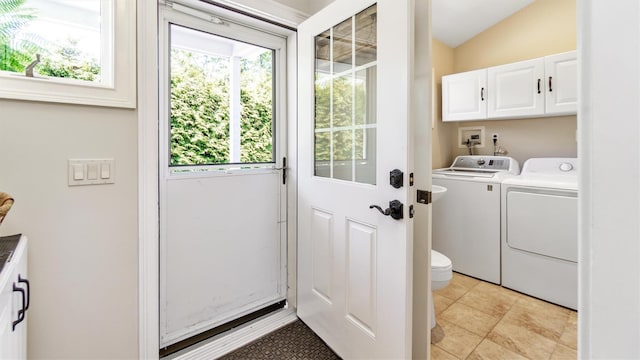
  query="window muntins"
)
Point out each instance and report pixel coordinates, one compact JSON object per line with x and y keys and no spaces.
{"x":86,"y":49}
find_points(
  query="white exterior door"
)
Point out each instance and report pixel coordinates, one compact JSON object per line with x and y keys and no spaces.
{"x":464,"y":96}
{"x":561,"y":72}
{"x":355,"y":264}
{"x":516,"y":90}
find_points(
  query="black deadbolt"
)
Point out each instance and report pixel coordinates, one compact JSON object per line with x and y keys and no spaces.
{"x":396,"y":178}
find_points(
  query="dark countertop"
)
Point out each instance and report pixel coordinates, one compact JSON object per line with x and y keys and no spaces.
{"x":8,"y":245}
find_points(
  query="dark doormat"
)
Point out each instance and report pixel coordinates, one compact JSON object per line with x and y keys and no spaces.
{"x":294,"y":341}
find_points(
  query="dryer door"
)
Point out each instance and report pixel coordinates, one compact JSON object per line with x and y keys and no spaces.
{"x":543,"y":222}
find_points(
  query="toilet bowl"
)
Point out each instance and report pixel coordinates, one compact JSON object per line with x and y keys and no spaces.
{"x":440,"y":277}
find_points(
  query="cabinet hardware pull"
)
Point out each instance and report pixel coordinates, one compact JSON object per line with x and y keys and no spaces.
{"x":21,"y":311}
{"x":482,"y":94}
{"x":550,"y":87}
{"x":539,"y":80}
{"x":26,"y":282}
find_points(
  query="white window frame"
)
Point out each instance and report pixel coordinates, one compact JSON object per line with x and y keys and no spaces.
{"x":119,"y":92}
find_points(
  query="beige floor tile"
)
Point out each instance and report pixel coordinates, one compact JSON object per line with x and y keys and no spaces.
{"x":569,"y":336}
{"x":437,"y":334}
{"x":441,"y":303}
{"x":453,"y":291}
{"x":541,"y":305}
{"x":522,"y":341}
{"x":562,"y":352}
{"x":490,"y":299}
{"x":439,"y":354}
{"x":542,"y":318}
{"x":464,"y":280}
{"x":469,"y":318}
{"x":457,"y":341}
{"x":488,"y":350}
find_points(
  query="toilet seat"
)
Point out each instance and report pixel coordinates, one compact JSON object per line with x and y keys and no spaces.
{"x":440,"y":267}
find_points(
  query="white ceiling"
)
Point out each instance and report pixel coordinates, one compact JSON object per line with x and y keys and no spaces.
{"x":456,"y":21}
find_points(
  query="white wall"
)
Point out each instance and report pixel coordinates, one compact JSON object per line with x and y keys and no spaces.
{"x":82,"y":240}
{"x":609,"y":152}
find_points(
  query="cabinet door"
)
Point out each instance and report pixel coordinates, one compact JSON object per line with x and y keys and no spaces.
{"x":7,"y":340}
{"x":464,"y":96}
{"x":561,"y":77}
{"x":516,"y":90}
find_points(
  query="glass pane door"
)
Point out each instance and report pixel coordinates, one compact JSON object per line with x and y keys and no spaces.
{"x":345,"y":99}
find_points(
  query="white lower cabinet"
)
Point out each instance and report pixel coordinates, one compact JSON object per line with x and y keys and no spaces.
{"x":516,"y":90}
{"x":15,"y":295}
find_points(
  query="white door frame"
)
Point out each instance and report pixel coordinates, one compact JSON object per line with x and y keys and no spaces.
{"x":148,"y":156}
{"x":609,"y":201}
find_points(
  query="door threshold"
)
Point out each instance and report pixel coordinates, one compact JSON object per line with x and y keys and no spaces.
{"x":234,"y":339}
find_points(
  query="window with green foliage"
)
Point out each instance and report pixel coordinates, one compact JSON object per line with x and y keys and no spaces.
{"x":222,"y":100}
{"x":69,"y":37}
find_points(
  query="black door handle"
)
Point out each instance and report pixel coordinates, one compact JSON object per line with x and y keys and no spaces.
{"x":550,"y":87}
{"x":21,"y":311}
{"x":539,"y":86}
{"x":395,"y":209}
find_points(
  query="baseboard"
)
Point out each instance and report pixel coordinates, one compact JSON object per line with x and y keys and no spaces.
{"x":225,"y":343}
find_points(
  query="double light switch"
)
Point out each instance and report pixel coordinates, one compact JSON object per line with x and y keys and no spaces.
{"x":91,"y":171}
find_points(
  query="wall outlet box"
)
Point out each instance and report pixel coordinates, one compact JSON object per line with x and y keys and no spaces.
{"x":474,"y":134}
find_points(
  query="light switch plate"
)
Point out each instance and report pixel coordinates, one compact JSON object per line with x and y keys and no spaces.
{"x":93,"y":171}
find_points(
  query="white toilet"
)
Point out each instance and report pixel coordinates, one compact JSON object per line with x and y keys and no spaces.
{"x":440,"y":265}
{"x":440,"y":277}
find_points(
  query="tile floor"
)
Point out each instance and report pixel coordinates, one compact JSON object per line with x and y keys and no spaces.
{"x":480,"y":320}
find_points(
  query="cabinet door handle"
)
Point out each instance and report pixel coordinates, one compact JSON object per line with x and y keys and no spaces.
{"x":550,"y":87}
{"x":539,"y":81}
{"x":21,"y":311}
{"x":482,"y":94}
{"x":26,"y":282}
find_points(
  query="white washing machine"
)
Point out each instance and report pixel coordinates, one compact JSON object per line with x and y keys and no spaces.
{"x":466,"y":221}
{"x":540,"y":231}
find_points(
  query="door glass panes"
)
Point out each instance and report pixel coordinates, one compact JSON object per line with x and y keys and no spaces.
{"x":222,"y":100}
{"x":345,"y":100}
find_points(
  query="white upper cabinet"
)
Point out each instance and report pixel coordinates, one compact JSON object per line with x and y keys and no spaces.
{"x":464,"y":96}
{"x":546,"y":86}
{"x":561,"y":81}
{"x":516,"y":90}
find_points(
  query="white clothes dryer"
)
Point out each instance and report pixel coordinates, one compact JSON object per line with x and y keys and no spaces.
{"x":540,"y":231}
{"x":466,"y":222}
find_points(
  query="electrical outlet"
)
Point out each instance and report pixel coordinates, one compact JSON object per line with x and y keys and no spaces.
{"x":495,"y":136}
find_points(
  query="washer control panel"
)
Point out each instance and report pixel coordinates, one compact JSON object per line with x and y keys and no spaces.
{"x":498,"y":163}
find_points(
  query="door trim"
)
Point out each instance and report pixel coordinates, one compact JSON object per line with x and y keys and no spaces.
{"x":148,"y":157}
